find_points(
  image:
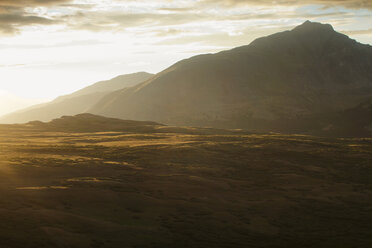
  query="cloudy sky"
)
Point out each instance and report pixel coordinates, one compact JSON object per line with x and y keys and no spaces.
{"x":53,"y":47}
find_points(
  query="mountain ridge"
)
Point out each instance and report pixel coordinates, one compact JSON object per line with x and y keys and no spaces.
{"x":116,"y":83}
{"x":299,"y":74}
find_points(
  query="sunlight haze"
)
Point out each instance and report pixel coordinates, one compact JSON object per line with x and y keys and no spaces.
{"x":52,"y":48}
{"x":186,"y":123}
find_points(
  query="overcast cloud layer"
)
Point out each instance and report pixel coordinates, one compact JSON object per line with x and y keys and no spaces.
{"x":117,"y":15}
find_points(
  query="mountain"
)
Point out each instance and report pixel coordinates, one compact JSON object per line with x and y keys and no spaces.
{"x":116,"y":83}
{"x":77,"y":102}
{"x":283,"y":82}
{"x":353,"y":122}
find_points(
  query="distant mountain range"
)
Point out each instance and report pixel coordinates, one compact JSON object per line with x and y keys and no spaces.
{"x":77,"y":102}
{"x":311,"y":79}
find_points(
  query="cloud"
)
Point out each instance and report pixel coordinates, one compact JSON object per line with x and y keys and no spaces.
{"x":166,"y":15}
{"x":180,"y":9}
{"x":354,"y":4}
{"x":14,"y":19}
{"x":10,"y":23}
{"x":113,"y":20}
{"x":13,"y":14}
{"x":12,"y":65}
{"x":223,"y":38}
{"x":358,"y":32}
{"x":28,"y":3}
{"x":168,"y":23}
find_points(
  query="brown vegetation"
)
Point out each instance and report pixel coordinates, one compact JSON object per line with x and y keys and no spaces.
{"x":182,"y":187}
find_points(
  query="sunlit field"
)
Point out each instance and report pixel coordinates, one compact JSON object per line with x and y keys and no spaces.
{"x":161,"y":186}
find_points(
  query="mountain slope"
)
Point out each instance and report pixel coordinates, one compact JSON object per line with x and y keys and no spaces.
{"x":354,"y":122}
{"x":116,"y":83}
{"x":275,"y":83}
{"x":77,"y":102}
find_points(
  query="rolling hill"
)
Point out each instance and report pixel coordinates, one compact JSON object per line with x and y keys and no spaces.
{"x":292,"y":81}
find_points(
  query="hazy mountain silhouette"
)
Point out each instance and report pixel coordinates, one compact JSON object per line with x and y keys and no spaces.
{"x":77,"y":102}
{"x":290,"y":81}
{"x":10,"y":103}
{"x":114,"y":84}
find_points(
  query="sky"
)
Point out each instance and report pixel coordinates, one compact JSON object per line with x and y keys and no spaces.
{"x":54,"y":47}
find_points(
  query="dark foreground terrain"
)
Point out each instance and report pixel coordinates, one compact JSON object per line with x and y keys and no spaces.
{"x":158,"y":186}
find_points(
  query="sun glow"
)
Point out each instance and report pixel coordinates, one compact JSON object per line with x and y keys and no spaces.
{"x":67,"y":46}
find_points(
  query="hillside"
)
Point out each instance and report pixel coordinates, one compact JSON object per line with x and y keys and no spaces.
{"x":77,"y":102}
{"x":93,"y":123}
{"x":284,"y":82}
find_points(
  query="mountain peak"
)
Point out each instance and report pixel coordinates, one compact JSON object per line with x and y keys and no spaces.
{"x":309,"y":26}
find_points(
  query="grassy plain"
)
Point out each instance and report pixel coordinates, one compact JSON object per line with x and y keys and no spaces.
{"x":181,"y":187}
